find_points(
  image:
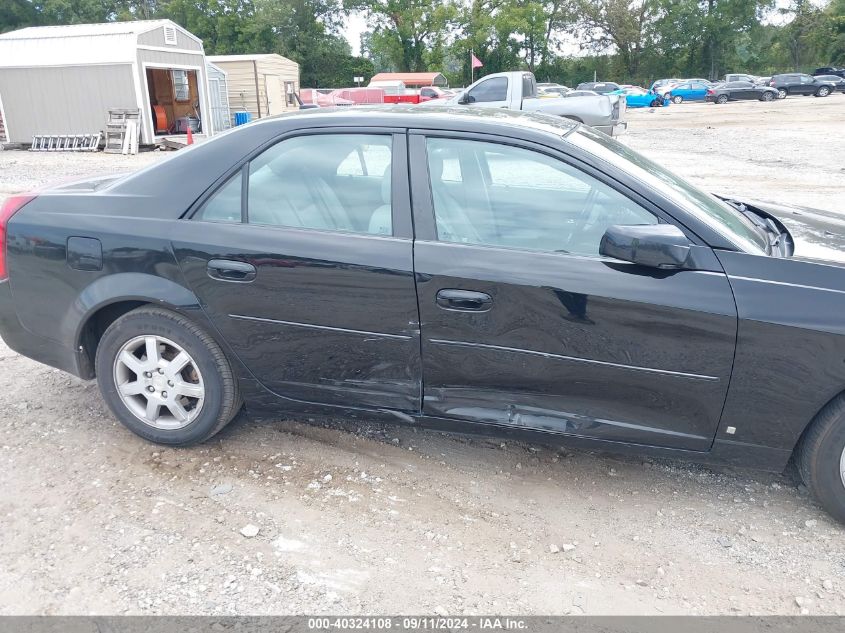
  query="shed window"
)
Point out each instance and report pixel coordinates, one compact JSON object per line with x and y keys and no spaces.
{"x":170,"y":36}
{"x":181,"y":89}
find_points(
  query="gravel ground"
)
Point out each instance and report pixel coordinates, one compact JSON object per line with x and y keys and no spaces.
{"x":287,"y":517}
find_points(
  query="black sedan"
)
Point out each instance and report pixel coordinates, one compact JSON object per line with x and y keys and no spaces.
{"x":460,"y":269}
{"x":740,"y":91}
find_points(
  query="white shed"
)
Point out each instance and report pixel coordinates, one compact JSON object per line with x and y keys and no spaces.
{"x":64,"y":79}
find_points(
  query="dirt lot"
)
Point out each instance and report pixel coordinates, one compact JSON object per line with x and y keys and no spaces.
{"x":385,"y":519}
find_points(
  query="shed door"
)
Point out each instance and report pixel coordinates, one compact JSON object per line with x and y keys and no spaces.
{"x":275,"y":94}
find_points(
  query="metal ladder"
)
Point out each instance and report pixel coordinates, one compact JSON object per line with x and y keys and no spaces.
{"x":65,"y":142}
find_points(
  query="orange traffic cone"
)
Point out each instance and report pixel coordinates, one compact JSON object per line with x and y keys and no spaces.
{"x":190,"y":135}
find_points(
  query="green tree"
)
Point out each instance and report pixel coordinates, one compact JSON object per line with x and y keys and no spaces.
{"x":624,"y":26}
{"x":406,"y":32}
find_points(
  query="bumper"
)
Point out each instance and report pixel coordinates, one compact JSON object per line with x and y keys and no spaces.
{"x":26,"y":343}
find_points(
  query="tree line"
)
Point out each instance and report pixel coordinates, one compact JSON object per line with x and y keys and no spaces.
{"x":567,"y":41}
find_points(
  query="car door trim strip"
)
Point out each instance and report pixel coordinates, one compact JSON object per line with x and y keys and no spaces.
{"x":785,"y":283}
{"x":666,"y":372}
{"x":403,"y":337}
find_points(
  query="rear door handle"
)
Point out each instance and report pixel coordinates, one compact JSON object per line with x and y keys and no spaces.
{"x":464,"y":300}
{"x":231,"y":270}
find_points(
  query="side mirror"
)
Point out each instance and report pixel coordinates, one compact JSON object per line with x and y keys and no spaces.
{"x":653,"y":245}
{"x":465,"y":99}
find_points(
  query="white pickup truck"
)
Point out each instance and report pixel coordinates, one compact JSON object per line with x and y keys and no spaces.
{"x":518,"y":91}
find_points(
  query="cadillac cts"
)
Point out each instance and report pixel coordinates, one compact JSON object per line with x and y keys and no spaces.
{"x":467,"y":270}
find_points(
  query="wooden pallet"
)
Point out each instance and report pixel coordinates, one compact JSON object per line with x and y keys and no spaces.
{"x":122,"y":129}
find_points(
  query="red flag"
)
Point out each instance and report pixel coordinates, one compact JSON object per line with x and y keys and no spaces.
{"x":474,"y":61}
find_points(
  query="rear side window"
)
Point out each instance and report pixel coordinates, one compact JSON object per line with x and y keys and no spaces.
{"x":330,"y":182}
{"x":225,"y":205}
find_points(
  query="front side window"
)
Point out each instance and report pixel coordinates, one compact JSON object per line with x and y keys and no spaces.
{"x":517,"y":198}
{"x":331,"y":182}
{"x":720,"y":216}
{"x":495,"y":89}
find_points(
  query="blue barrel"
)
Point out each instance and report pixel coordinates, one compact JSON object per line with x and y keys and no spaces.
{"x":242,"y":118}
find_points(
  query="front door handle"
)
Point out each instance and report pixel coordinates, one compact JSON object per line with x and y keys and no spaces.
{"x":231,"y":270}
{"x":464,"y":300}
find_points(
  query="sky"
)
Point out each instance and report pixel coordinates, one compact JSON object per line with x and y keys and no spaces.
{"x":355,"y":25}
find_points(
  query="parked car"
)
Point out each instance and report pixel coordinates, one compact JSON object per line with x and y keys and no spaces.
{"x":830,"y":70}
{"x":518,"y":91}
{"x":434,"y":92}
{"x":552,"y":91}
{"x":730,"y":77}
{"x":836,"y":80}
{"x":581,"y":93}
{"x":601,"y":87}
{"x":688,"y":91}
{"x":285,"y":266}
{"x":662,"y":86}
{"x":801,"y":84}
{"x":636,"y":97}
{"x":740,"y":91}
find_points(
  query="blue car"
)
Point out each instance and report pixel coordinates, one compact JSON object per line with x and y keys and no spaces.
{"x":636,"y":97}
{"x":689,"y":91}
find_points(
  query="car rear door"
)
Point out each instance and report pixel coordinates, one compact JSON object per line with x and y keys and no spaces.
{"x":302,"y":258}
{"x":525,"y":325}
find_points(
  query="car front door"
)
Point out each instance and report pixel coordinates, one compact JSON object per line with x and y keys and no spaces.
{"x":525,"y":325}
{"x":302,"y":259}
{"x":698,"y":91}
{"x":743,"y":90}
{"x":490,"y":93}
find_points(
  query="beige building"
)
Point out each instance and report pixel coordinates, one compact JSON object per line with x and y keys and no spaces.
{"x":262,"y":85}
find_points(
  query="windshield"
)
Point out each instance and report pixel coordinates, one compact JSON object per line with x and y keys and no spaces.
{"x":722,"y":217}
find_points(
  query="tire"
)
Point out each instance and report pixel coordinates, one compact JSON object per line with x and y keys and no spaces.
{"x":820,"y":460}
{"x":203,"y":395}
{"x":823,"y":91}
{"x":722,"y":99}
{"x":782,"y":92}
{"x":677,"y":99}
{"x":668,"y":96}
{"x":655,"y":104}
{"x":767,"y":96}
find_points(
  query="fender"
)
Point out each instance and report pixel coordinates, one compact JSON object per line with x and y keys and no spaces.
{"x":111,"y":289}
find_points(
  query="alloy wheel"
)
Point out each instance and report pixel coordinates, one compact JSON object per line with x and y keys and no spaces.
{"x":159,"y":382}
{"x":842,"y":467}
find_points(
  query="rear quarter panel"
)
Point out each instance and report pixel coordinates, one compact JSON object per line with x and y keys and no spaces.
{"x":53,"y":300}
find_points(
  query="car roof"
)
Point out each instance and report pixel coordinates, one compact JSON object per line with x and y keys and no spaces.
{"x":446,"y":118}
{"x":177,"y":174}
